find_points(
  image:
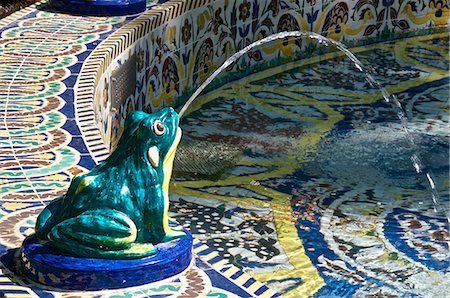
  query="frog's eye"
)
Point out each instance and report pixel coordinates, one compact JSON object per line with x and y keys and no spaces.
{"x":159,"y":128}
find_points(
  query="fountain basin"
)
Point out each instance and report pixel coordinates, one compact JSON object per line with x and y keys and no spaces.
{"x":161,"y":61}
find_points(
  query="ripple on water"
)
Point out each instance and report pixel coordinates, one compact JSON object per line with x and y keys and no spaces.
{"x":381,"y":156}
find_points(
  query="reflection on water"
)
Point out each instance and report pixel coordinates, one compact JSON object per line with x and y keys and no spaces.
{"x":325,"y":196}
{"x":378,"y":155}
{"x":367,"y":74}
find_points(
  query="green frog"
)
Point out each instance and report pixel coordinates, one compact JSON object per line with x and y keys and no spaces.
{"x":119,"y":210}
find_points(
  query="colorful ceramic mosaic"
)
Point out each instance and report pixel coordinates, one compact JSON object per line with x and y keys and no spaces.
{"x":304,"y":240}
{"x":323,"y":180}
{"x":41,"y":55}
{"x":176,"y":52}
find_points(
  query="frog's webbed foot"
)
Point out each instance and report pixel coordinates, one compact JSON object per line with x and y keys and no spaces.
{"x":172,"y":221}
{"x":174,"y":225}
{"x":177,"y":228}
{"x":174,"y":233}
{"x":101,"y":233}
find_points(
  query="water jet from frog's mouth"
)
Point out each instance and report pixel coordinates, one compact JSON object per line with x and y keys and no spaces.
{"x":322,"y":40}
{"x":281,"y":35}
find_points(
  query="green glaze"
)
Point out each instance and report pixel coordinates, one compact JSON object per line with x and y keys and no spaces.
{"x":119,"y":209}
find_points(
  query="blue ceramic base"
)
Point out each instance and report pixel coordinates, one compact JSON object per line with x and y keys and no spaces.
{"x":44,"y":264}
{"x":99,"y":7}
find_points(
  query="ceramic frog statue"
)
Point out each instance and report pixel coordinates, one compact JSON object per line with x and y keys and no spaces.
{"x":119,"y":210}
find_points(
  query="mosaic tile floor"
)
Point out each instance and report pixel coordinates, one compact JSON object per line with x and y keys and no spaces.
{"x":303,"y":229}
{"x":325,"y":201}
{"x":41,"y":149}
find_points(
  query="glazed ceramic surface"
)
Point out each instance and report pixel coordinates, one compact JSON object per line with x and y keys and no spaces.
{"x":306,"y":229}
{"x":119,"y":209}
{"x":182,"y":43}
{"x":50,"y":49}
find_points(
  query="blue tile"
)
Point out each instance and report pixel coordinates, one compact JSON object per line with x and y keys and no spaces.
{"x":70,"y":81}
{"x":76,"y":68}
{"x":9,"y":26}
{"x":215,"y":260}
{"x":261,"y":290}
{"x":68,"y":95}
{"x":87,"y":162}
{"x":78,"y":144}
{"x":249,"y":282}
{"x":68,"y":110}
{"x":236,"y":275}
{"x":71,"y":127}
{"x":225,"y":269}
{"x":198,"y":245}
{"x":8,"y":292}
{"x":81,"y":57}
{"x":205,"y":252}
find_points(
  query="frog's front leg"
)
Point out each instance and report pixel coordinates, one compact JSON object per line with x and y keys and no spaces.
{"x":173,"y":232}
{"x":101,"y":233}
{"x":46,"y":220}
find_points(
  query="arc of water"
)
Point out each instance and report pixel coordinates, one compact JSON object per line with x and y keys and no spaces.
{"x":389,"y":98}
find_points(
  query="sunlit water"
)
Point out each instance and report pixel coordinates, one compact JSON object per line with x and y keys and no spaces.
{"x":320,"y":137}
{"x":324,"y":41}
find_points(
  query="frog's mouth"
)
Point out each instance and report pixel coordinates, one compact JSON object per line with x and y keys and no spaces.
{"x":153,"y":153}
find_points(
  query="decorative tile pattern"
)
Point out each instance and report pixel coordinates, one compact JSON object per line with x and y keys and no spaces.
{"x":40,"y":155}
{"x":349,"y":224}
{"x":210,"y":273}
{"x":41,"y":147}
{"x":244,"y":235}
{"x":51,"y":132}
{"x":177,"y":53}
{"x":9,"y":289}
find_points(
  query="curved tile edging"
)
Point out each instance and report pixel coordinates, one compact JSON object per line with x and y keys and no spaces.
{"x":185,"y":48}
{"x":141,"y":35}
{"x":100,"y":59}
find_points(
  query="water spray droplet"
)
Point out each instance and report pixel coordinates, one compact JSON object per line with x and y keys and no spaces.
{"x":416,"y":163}
{"x":431,"y":181}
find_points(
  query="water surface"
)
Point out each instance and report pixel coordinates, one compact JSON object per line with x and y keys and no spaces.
{"x":324,"y":197}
